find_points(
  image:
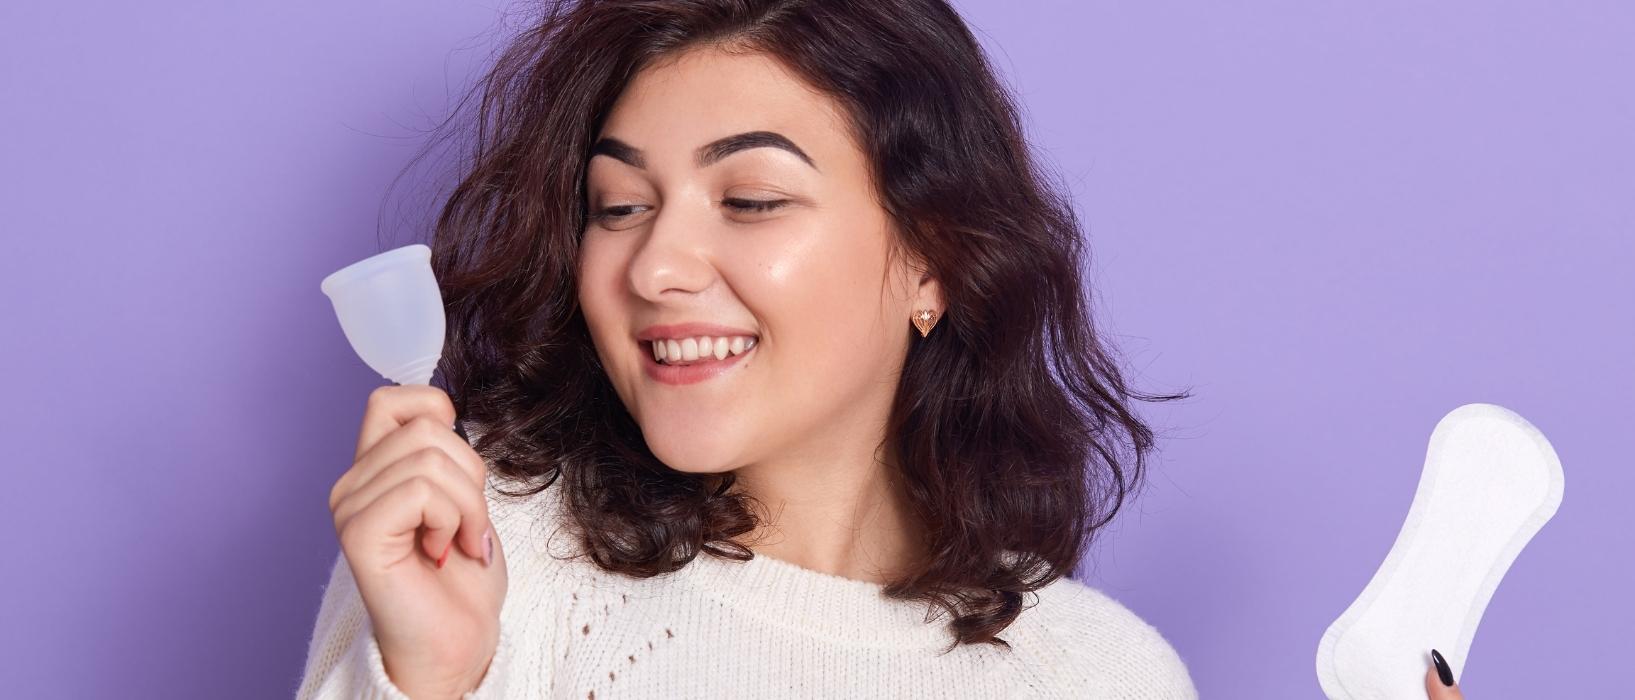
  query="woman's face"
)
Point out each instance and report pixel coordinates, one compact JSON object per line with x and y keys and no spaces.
{"x":802,"y":282}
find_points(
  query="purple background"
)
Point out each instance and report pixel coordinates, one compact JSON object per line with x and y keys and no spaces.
{"x":1336,"y":223}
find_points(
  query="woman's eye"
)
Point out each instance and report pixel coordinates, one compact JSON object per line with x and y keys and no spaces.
{"x":754,"y":205}
{"x":614,"y":212}
{"x":620,"y":211}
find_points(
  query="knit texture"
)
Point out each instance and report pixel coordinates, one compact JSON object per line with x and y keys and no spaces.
{"x":763,"y":628}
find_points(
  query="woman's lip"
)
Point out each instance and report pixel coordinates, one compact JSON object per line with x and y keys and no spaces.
{"x":678,"y":331}
{"x":689,"y":374}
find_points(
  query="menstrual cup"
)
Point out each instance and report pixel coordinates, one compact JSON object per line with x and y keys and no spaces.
{"x":391,"y":311}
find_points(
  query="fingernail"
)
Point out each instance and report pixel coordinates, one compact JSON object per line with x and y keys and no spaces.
{"x":444,"y":558}
{"x":488,"y":546}
{"x":1442,"y":670}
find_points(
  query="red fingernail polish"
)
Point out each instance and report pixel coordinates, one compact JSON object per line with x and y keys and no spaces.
{"x":444,"y":558}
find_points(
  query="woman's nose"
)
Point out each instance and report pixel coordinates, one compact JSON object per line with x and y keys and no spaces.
{"x":674,"y":253}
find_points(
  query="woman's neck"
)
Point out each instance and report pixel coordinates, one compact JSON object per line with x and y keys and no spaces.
{"x":851,"y":522}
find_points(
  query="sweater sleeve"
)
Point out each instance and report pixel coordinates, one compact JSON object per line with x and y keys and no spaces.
{"x":344,"y":659}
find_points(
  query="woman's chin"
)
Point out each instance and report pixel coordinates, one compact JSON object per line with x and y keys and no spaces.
{"x":691,"y":453}
{"x":698,"y":467}
{"x":699,"y":437}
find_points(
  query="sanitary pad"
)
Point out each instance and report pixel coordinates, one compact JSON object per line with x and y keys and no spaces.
{"x":1491,"y":480}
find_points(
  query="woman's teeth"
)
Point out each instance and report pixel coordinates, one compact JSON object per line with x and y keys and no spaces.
{"x":681,"y":351}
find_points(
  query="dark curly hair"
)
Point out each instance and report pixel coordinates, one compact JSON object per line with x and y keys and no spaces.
{"x":1012,"y":424}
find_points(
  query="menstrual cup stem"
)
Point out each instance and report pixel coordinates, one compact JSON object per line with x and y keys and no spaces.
{"x":418,"y":372}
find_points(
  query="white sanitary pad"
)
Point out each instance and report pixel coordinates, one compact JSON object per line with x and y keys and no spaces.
{"x":1491,"y":480}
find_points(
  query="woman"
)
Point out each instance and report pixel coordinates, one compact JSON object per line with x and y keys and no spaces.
{"x":764,"y":306}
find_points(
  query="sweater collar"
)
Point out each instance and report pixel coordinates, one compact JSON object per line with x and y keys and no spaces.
{"x":841,"y":610}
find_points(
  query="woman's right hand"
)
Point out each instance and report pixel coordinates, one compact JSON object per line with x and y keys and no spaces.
{"x":414,"y":492}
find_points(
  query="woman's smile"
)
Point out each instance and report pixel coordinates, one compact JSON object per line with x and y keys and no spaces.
{"x":687,"y":353}
{"x":688,"y":361}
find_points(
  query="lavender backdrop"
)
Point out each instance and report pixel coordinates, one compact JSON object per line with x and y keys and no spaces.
{"x":1335,"y":222}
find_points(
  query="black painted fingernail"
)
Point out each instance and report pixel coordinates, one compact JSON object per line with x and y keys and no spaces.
{"x":1442,"y":670}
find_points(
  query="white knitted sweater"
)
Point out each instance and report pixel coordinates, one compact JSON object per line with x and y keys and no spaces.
{"x":765,"y":628}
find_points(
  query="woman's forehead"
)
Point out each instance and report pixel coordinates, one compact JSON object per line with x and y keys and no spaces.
{"x":673,"y":107}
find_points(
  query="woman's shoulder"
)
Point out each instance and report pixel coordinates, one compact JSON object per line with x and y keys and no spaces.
{"x":1100,"y":636}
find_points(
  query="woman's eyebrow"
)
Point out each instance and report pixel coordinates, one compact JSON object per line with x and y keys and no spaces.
{"x":709,"y":153}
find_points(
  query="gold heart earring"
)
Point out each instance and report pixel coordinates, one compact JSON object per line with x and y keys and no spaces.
{"x":924,"y":319}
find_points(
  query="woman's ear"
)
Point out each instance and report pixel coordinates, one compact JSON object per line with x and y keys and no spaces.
{"x":929,"y":293}
{"x":927,"y":289}
{"x":922,"y":288}
{"x":929,"y":303}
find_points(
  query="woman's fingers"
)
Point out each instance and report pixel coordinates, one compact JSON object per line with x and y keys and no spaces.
{"x":392,"y":406}
{"x":399,"y":512}
{"x":413,"y":436}
{"x":407,"y":435}
{"x":1435,"y":688}
{"x":449,"y":485}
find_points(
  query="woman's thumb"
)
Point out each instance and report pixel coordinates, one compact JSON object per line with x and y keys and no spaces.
{"x":1439,"y":683}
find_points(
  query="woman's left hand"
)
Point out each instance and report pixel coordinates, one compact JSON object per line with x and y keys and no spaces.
{"x":1435,"y":689}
